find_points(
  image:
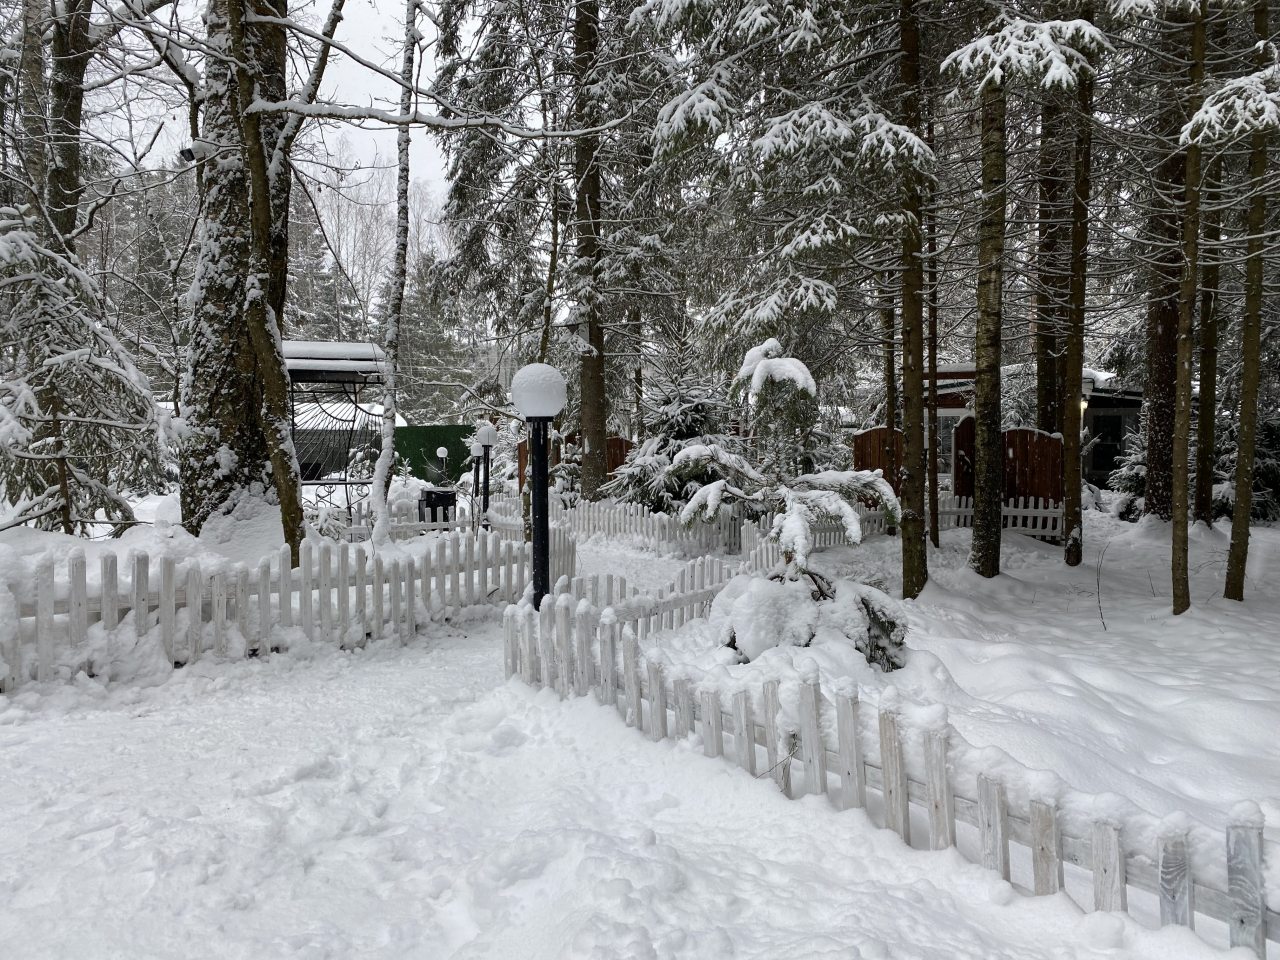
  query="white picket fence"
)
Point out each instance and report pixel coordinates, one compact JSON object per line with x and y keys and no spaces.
{"x":339,"y":593}
{"x":575,"y":647}
{"x":631,"y":520}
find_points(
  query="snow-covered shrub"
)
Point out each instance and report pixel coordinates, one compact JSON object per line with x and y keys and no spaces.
{"x":1266,"y":471}
{"x":78,"y":423}
{"x":754,"y":614}
{"x":782,"y":403}
{"x":687,"y":414}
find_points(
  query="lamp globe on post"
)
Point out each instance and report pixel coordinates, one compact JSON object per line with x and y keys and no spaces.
{"x":538,"y":392}
{"x":476,"y":452}
{"x":487,"y":436}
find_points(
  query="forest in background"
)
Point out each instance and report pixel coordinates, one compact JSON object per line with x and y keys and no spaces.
{"x":639,"y":194}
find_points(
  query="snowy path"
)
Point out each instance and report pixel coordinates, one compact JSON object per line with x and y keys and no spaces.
{"x":406,"y":803}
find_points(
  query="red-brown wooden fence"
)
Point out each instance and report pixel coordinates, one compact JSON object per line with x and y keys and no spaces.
{"x":879,"y":448}
{"x":1032,"y":463}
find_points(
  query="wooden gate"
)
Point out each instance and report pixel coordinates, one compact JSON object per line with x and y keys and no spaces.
{"x":1032,"y":463}
{"x":879,"y":448}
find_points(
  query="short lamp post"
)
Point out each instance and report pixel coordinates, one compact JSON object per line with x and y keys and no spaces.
{"x":538,"y":392}
{"x":487,"y":436}
{"x":442,"y":453}
{"x":476,"y":452}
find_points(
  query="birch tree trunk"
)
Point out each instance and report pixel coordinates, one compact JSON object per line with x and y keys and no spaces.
{"x":395,"y":303}
{"x":988,"y":478}
{"x":1250,"y":338}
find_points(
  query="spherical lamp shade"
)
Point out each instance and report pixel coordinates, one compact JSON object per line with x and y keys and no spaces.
{"x":442,"y":452}
{"x":538,"y":391}
{"x":477,"y":450}
{"x":487,"y":435}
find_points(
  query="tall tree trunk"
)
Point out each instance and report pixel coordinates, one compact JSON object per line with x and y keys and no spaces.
{"x":1160,"y":379}
{"x":1250,"y":337}
{"x":31,"y":84}
{"x":1207,"y":404}
{"x":935,"y":440}
{"x":395,"y":296}
{"x":988,"y":478}
{"x":69,"y":54}
{"x":1053,"y":269}
{"x":1186,"y":322}
{"x":889,"y":357}
{"x":915,"y":551}
{"x":1073,"y":352}
{"x":594,"y":402}
{"x":235,"y":388}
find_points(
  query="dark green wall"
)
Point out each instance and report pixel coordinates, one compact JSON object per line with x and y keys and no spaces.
{"x":418,"y":446}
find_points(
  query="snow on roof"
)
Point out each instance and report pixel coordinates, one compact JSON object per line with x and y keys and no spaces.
{"x":337,"y":356}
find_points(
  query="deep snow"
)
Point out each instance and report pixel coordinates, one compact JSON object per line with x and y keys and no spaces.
{"x":403,"y":802}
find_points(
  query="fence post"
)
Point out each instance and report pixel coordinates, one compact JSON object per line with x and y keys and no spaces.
{"x":608,"y":677}
{"x":584,"y":630}
{"x":325,"y":591}
{"x":78,"y":615}
{"x":811,"y":745}
{"x":779,"y":765}
{"x":44,"y":620}
{"x":657,"y":702}
{"x":284,"y":588}
{"x":1245,"y":887}
{"x":264,"y":603}
{"x":528,"y":647}
{"x":141,"y":594}
{"x":359,"y":615}
{"x":396,"y":576}
{"x":683,"y":707}
{"x":564,"y":647}
{"x":1173,"y":870}
{"x":510,"y":654}
{"x":993,"y":825}
{"x":942,"y":814}
{"x":195,"y":610}
{"x":306,"y":583}
{"x":712,"y":724}
{"x":1108,"y":867}
{"x":1046,"y":849}
{"x":168,"y":588}
{"x":379,"y":605}
{"x":631,"y":680}
{"x":242,"y":604}
{"x":893,"y":771}
{"x":344,"y":594}
{"x":218,"y":596}
{"x":744,"y":732}
{"x":853,"y":782}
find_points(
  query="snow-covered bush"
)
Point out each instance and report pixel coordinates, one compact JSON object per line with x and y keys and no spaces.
{"x":754,"y":614}
{"x":688,"y":413}
{"x":782,"y":408}
{"x":78,"y":423}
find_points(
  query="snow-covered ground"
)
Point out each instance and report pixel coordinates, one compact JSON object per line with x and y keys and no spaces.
{"x":405,"y":802}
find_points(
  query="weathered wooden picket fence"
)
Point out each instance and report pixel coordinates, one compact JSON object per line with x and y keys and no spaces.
{"x":339,"y":592}
{"x":574,"y":648}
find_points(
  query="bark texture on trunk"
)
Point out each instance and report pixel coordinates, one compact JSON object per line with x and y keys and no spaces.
{"x":235,"y":389}
{"x":1207,"y":403}
{"x":1053,"y":266}
{"x":988,"y":494}
{"x":915,"y":550}
{"x":1073,"y":345}
{"x":1250,"y":339}
{"x":594,"y":402}
{"x":1188,"y":286}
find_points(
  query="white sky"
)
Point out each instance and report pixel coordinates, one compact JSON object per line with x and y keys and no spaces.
{"x":374,"y":29}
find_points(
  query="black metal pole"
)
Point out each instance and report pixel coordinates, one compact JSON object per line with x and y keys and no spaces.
{"x":539,"y":428}
{"x":485,"y":508}
{"x":475,"y":482}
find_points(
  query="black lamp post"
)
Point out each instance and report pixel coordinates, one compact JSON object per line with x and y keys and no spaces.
{"x":475,"y":478}
{"x":488,"y":438}
{"x":538,"y":392}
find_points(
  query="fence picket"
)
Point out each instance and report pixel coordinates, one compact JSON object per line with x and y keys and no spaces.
{"x":44,"y":621}
{"x":359,"y":615}
{"x":218,"y":613}
{"x":779,"y":765}
{"x":306,"y":584}
{"x":744,"y":732}
{"x":325,"y":592}
{"x":1108,"y":867}
{"x":712,"y":724}
{"x":263,"y":643}
{"x":284,"y":589}
{"x":942,"y":813}
{"x":78,"y":615}
{"x":893,"y":771}
{"x":812,"y":749}
{"x":1046,"y":849}
{"x":141,"y":594}
{"x":168,"y":611}
{"x":853,"y":784}
{"x":195,"y":612}
{"x":683,"y":694}
{"x":631,"y":679}
{"x":1173,"y":870}
{"x":657,"y":702}
{"x":993,"y":825}
{"x":1245,"y":886}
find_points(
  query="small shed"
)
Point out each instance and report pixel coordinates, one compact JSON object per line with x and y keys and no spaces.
{"x":335,"y":407}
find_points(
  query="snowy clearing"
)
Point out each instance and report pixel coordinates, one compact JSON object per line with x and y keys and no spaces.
{"x":402,"y":802}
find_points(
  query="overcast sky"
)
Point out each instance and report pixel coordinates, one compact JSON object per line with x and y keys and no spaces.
{"x":374,"y":29}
